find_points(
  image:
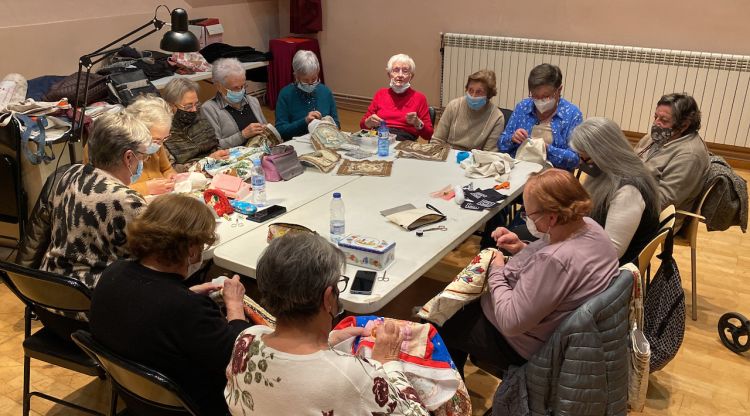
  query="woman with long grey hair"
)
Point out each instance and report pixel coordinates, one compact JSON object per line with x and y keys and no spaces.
{"x":625,"y":195}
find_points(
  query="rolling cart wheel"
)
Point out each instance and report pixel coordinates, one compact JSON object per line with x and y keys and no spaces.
{"x":734,"y":331}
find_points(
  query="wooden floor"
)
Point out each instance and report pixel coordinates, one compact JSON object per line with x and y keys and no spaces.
{"x":704,"y":379}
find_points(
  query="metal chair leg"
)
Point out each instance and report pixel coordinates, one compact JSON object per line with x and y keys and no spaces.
{"x":694,"y":276}
{"x":26,"y":385}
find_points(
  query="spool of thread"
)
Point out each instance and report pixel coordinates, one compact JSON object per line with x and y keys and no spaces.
{"x":459,"y":198}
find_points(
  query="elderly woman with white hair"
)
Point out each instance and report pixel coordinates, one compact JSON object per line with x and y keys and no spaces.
{"x":404,"y":110}
{"x":234,"y":114}
{"x":192,"y":137}
{"x":624,"y":194}
{"x":305,"y":100}
{"x":79,"y":221}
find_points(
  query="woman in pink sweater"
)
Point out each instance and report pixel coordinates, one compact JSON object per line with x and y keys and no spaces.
{"x":544,"y":282}
{"x":403,"y":109}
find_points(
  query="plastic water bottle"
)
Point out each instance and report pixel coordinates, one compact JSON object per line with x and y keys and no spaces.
{"x":338,"y":223}
{"x":383,"y":142}
{"x":258,"y":181}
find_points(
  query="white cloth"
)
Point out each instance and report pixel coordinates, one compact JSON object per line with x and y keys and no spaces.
{"x":12,"y":90}
{"x":625,"y":212}
{"x":265,"y":381}
{"x":533,"y":150}
{"x":483,"y":164}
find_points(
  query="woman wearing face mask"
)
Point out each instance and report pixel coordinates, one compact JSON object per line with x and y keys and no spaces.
{"x":404,"y":110}
{"x":546,"y":115}
{"x":624,"y":193}
{"x":234,"y":114}
{"x":192,"y":137}
{"x":471,"y":121}
{"x":305,"y":100}
{"x":299,"y":278}
{"x":80,"y":239}
{"x":675,"y":152}
{"x":544,"y":281}
{"x":142,"y":309}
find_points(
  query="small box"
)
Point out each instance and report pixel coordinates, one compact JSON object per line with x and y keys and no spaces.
{"x":207,"y":31}
{"x":367,"y":252}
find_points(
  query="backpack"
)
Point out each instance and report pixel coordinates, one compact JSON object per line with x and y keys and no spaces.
{"x":664,"y":310}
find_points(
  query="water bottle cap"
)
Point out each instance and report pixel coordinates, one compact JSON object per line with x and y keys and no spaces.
{"x":337,"y":194}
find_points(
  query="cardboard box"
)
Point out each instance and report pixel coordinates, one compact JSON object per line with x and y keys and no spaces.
{"x":208,"y":31}
{"x":367,"y":252}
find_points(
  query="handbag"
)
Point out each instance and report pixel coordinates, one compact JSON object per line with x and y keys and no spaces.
{"x":411,"y":218}
{"x":281,"y":164}
{"x":125,"y":87}
{"x":280,"y":229}
{"x":640,"y":349}
{"x":66,"y":88}
{"x":664,"y":310}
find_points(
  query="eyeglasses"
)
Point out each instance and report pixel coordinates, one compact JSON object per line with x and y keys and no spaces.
{"x":525,"y":215}
{"x":343,"y":283}
{"x":405,"y":71}
{"x":189,"y":107}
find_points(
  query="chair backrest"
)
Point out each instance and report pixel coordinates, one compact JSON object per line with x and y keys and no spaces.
{"x":506,"y":114}
{"x":14,"y":204}
{"x":151,"y":389}
{"x":645,"y":256}
{"x":433,"y":113}
{"x":666,"y":218}
{"x":49,"y":290}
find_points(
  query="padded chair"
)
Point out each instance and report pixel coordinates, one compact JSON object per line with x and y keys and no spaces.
{"x":144,"y":391}
{"x":614,"y":301}
{"x":688,"y":236}
{"x":40,"y":291}
{"x":506,"y":114}
{"x":433,"y":114}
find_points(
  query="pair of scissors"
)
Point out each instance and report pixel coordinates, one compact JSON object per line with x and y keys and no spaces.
{"x":383,"y":278}
{"x":236,"y":223}
{"x":438,"y":228}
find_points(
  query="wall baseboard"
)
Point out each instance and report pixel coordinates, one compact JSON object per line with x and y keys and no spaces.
{"x":737,"y":157}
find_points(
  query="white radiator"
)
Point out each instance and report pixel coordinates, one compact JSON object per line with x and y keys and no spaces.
{"x":618,"y":82}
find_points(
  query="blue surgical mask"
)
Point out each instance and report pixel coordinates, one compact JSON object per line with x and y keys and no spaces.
{"x":308,"y":88}
{"x":475,"y":103}
{"x":138,"y":171}
{"x":235,"y":97}
{"x":153,"y":148}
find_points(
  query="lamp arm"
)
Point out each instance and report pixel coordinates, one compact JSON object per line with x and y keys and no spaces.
{"x":86,"y":59}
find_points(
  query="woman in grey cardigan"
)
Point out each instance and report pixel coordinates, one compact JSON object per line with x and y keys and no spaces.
{"x":235,"y":115}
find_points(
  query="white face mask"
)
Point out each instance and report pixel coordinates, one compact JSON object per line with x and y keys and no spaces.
{"x":399,"y":89}
{"x":531,"y":226}
{"x":545,"y":105}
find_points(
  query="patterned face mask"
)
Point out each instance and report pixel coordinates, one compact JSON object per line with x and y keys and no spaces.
{"x":660,"y":134}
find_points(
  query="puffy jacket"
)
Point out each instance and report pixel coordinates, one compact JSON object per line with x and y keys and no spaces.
{"x":39,"y":230}
{"x":582,"y":370}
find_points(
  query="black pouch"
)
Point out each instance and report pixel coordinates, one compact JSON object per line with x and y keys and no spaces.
{"x":125,"y":87}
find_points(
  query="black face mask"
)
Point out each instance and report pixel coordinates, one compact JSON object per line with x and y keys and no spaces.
{"x":185,"y":118}
{"x":661,"y":134}
{"x":590,"y":169}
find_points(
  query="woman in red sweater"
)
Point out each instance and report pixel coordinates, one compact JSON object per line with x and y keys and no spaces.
{"x":404,"y":110}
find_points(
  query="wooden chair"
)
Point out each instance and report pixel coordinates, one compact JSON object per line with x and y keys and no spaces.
{"x":688,"y":236}
{"x":645,"y":256}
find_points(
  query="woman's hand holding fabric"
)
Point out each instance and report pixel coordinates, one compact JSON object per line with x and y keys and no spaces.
{"x":387,"y":343}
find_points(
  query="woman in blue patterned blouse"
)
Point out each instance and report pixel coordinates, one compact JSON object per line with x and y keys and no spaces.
{"x":544,"y":114}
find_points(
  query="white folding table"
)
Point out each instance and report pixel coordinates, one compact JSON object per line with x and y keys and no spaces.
{"x":411,"y":181}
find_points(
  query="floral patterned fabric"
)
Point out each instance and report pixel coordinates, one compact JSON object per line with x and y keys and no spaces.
{"x":264,"y":381}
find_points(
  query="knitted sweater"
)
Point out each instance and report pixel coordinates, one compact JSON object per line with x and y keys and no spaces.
{"x":190,"y":142}
{"x":393,"y":108}
{"x":225,"y":128}
{"x":466,"y":129}
{"x":293,"y":105}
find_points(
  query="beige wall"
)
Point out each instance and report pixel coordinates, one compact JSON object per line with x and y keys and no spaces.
{"x":359,"y":36}
{"x":46,"y":37}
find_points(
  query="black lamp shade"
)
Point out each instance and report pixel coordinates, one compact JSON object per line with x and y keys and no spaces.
{"x":179,"y":38}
